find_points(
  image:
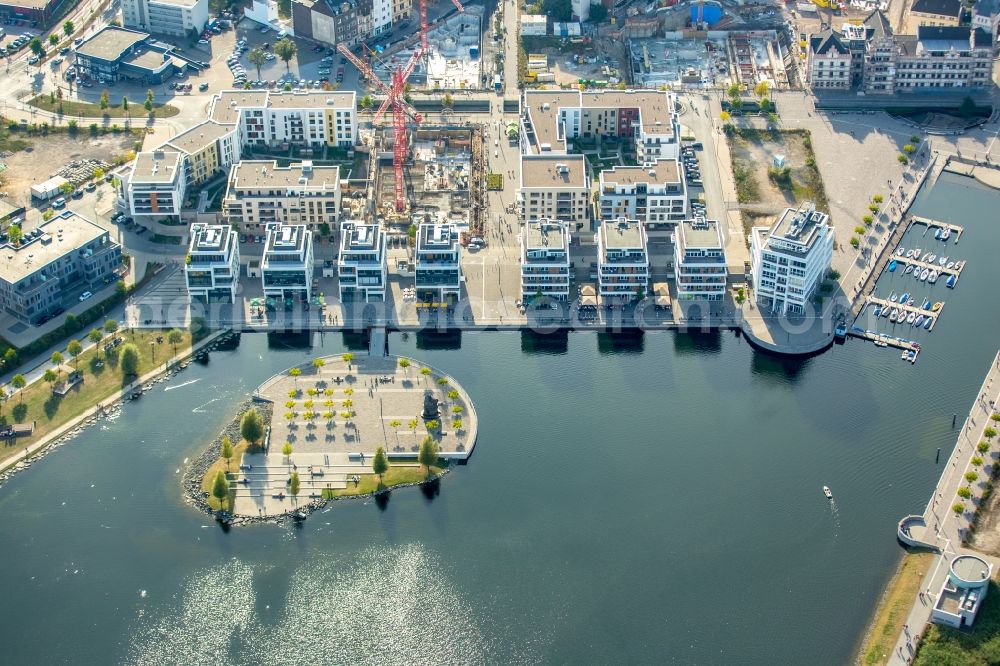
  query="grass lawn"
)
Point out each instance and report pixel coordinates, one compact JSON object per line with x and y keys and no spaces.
{"x":37,"y":402}
{"x":950,"y":647}
{"x":73,"y":108}
{"x":395,"y":476}
{"x":894,"y":608}
{"x":206,"y":483}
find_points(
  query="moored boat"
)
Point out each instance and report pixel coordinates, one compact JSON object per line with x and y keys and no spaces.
{"x":892,"y":266}
{"x":827,"y":492}
{"x":904,"y":298}
{"x":909,"y":254}
{"x":937,"y":233}
{"x":932,"y":278}
{"x":926,"y":305}
{"x":937,"y":306}
{"x":927,"y":324}
{"x":919,"y":320}
{"x":946,"y":234}
{"x":916,"y":253}
{"x":942,"y":261}
{"x":950,"y":265}
{"x":951,"y":282}
{"x":910,"y":318}
{"x":894,"y":315}
{"x":885,"y":311}
{"x":893,"y":297}
{"x":900,"y":251}
{"x":930,"y":258}
{"x":909,"y":268}
{"x":878,"y":311}
{"x":924,"y":274}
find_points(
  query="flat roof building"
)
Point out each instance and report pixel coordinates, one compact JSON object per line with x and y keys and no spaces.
{"x":790,"y":259}
{"x":156,"y":184}
{"x":287,"y":267}
{"x":361,"y":262}
{"x":622,"y":261}
{"x":261,"y":193}
{"x":66,"y":254}
{"x":114,"y":53}
{"x":963,"y":591}
{"x":168,"y":17}
{"x":212,"y":267}
{"x":555,"y":187}
{"x":655,"y":195}
{"x":43,"y":11}
{"x":700,"y":260}
{"x":545,"y":271}
{"x":438,"y":272}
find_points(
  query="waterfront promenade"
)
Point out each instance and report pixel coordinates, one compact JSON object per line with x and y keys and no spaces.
{"x":944,"y":528}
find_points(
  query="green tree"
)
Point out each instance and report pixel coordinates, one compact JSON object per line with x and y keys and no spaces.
{"x":295,"y":485}
{"x":348,"y":358}
{"x":989,"y":433}
{"x":57,"y":359}
{"x":976,"y":461}
{"x":15,"y":234}
{"x":958,"y":508}
{"x":252,"y":427}
{"x":9,"y":358}
{"x":125,"y":103}
{"x":53,"y":39}
{"x":762,"y":89}
{"x":75,"y":349}
{"x":257,"y":57}
{"x":983,"y":447}
{"x":148,"y":104}
{"x":367,"y":103}
{"x":220,"y":488}
{"x":425,"y":371}
{"x":286,"y":451}
{"x":19,"y":382}
{"x":855,"y":242}
{"x":394,"y":424}
{"x":68,"y":28}
{"x":725,"y":116}
{"x":412,"y":424}
{"x":733,"y":91}
{"x":380,"y":463}
{"x":868,"y":220}
{"x":559,"y":10}
{"x":428,"y":453}
{"x":36,"y":47}
{"x":105,"y":99}
{"x":128,"y":360}
{"x":447,"y":101}
{"x":995,"y":417}
{"x":175,"y":337}
{"x":902,"y":159}
{"x":49,"y":376}
{"x":971,"y":477}
{"x":286,"y":50}
{"x":964,"y":492}
{"x":404,"y":363}
{"x":878,"y":198}
{"x":318,"y":363}
{"x":226,"y":449}
{"x":453,"y":394}
{"x":294,"y":374}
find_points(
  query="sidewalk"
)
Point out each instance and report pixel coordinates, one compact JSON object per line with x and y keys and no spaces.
{"x":938,"y":514}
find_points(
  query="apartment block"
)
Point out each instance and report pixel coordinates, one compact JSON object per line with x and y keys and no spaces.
{"x":555,"y":187}
{"x":155,"y":185}
{"x":287,"y":267}
{"x":551,"y":120}
{"x":168,"y":17}
{"x":361,"y":262}
{"x":545,"y":265}
{"x":261,"y":193}
{"x":438,"y":273}
{"x":208,"y":148}
{"x":622,"y":261}
{"x":655,"y":195}
{"x":791,"y":258}
{"x":68,"y":253}
{"x":212,"y":265}
{"x":700,"y":260}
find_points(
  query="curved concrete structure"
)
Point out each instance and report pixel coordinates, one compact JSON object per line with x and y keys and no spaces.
{"x":798,"y":347}
{"x":912,"y":531}
{"x":970,"y":572}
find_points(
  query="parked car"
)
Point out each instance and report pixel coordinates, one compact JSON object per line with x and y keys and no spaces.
{"x":64,"y":50}
{"x":77,"y":194}
{"x":33,"y":59}
{"x":90,"y":187}
{"x":203,"y":87}
{"x":85,"y":295}
{"x":59,"y":203}
{"x":203,"y":42}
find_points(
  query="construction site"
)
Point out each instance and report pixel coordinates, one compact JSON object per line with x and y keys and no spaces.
{"x":452,"y":59}
{"x":442,"y":177}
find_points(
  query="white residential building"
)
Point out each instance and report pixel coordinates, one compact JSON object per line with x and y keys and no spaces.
{"x":555,"y":187}
{"x":155,"y":184}
{"x":963,"y":591}
{"x":361,"y":263}
{"x":286,"y":270}
{"x":534,"y":25}
{"x":550,"y":119}
{"x":260,"y":193}
{"x":545,"y":260}
{"x":700,"y":260}
{"x":438,"y":273}
{"x":986,"y":16}
{"x":655,"y":195}
{"x":271,"y":118}
{"x":212,"y":267}
{"x":790,"y":259}
{"x":168,"y":17}
{"x":622,"y":261}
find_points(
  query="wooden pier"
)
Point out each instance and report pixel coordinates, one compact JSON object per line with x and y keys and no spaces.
{"x":956,"y":230}
{"x":908,"y":308}
{"x":918,"y":264}
{"x":888,"y":341}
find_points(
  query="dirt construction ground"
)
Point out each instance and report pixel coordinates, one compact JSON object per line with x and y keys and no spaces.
{"x":757,"y":156}
{"x":45,"y":154}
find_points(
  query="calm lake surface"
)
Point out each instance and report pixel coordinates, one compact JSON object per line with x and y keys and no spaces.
{"x":642,"y":499}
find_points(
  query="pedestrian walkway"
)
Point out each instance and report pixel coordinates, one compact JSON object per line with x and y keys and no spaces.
{"x":943,"y":525}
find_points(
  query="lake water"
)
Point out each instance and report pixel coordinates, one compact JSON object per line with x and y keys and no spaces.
{"x":631,"y":499}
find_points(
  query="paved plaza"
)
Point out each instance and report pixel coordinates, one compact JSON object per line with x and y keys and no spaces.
{"x":335,"y":415}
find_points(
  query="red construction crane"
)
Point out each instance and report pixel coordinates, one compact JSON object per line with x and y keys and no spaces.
{"x":423,"y":22}
{"x":394,"y":97}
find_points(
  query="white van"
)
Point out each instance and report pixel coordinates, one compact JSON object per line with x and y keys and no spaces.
{"x":282,"y":34}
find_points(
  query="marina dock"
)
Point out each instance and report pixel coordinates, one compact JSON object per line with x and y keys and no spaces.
{"x":908,"y":308}
{"x":955,"y":270}
{"x":955,"y":229}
